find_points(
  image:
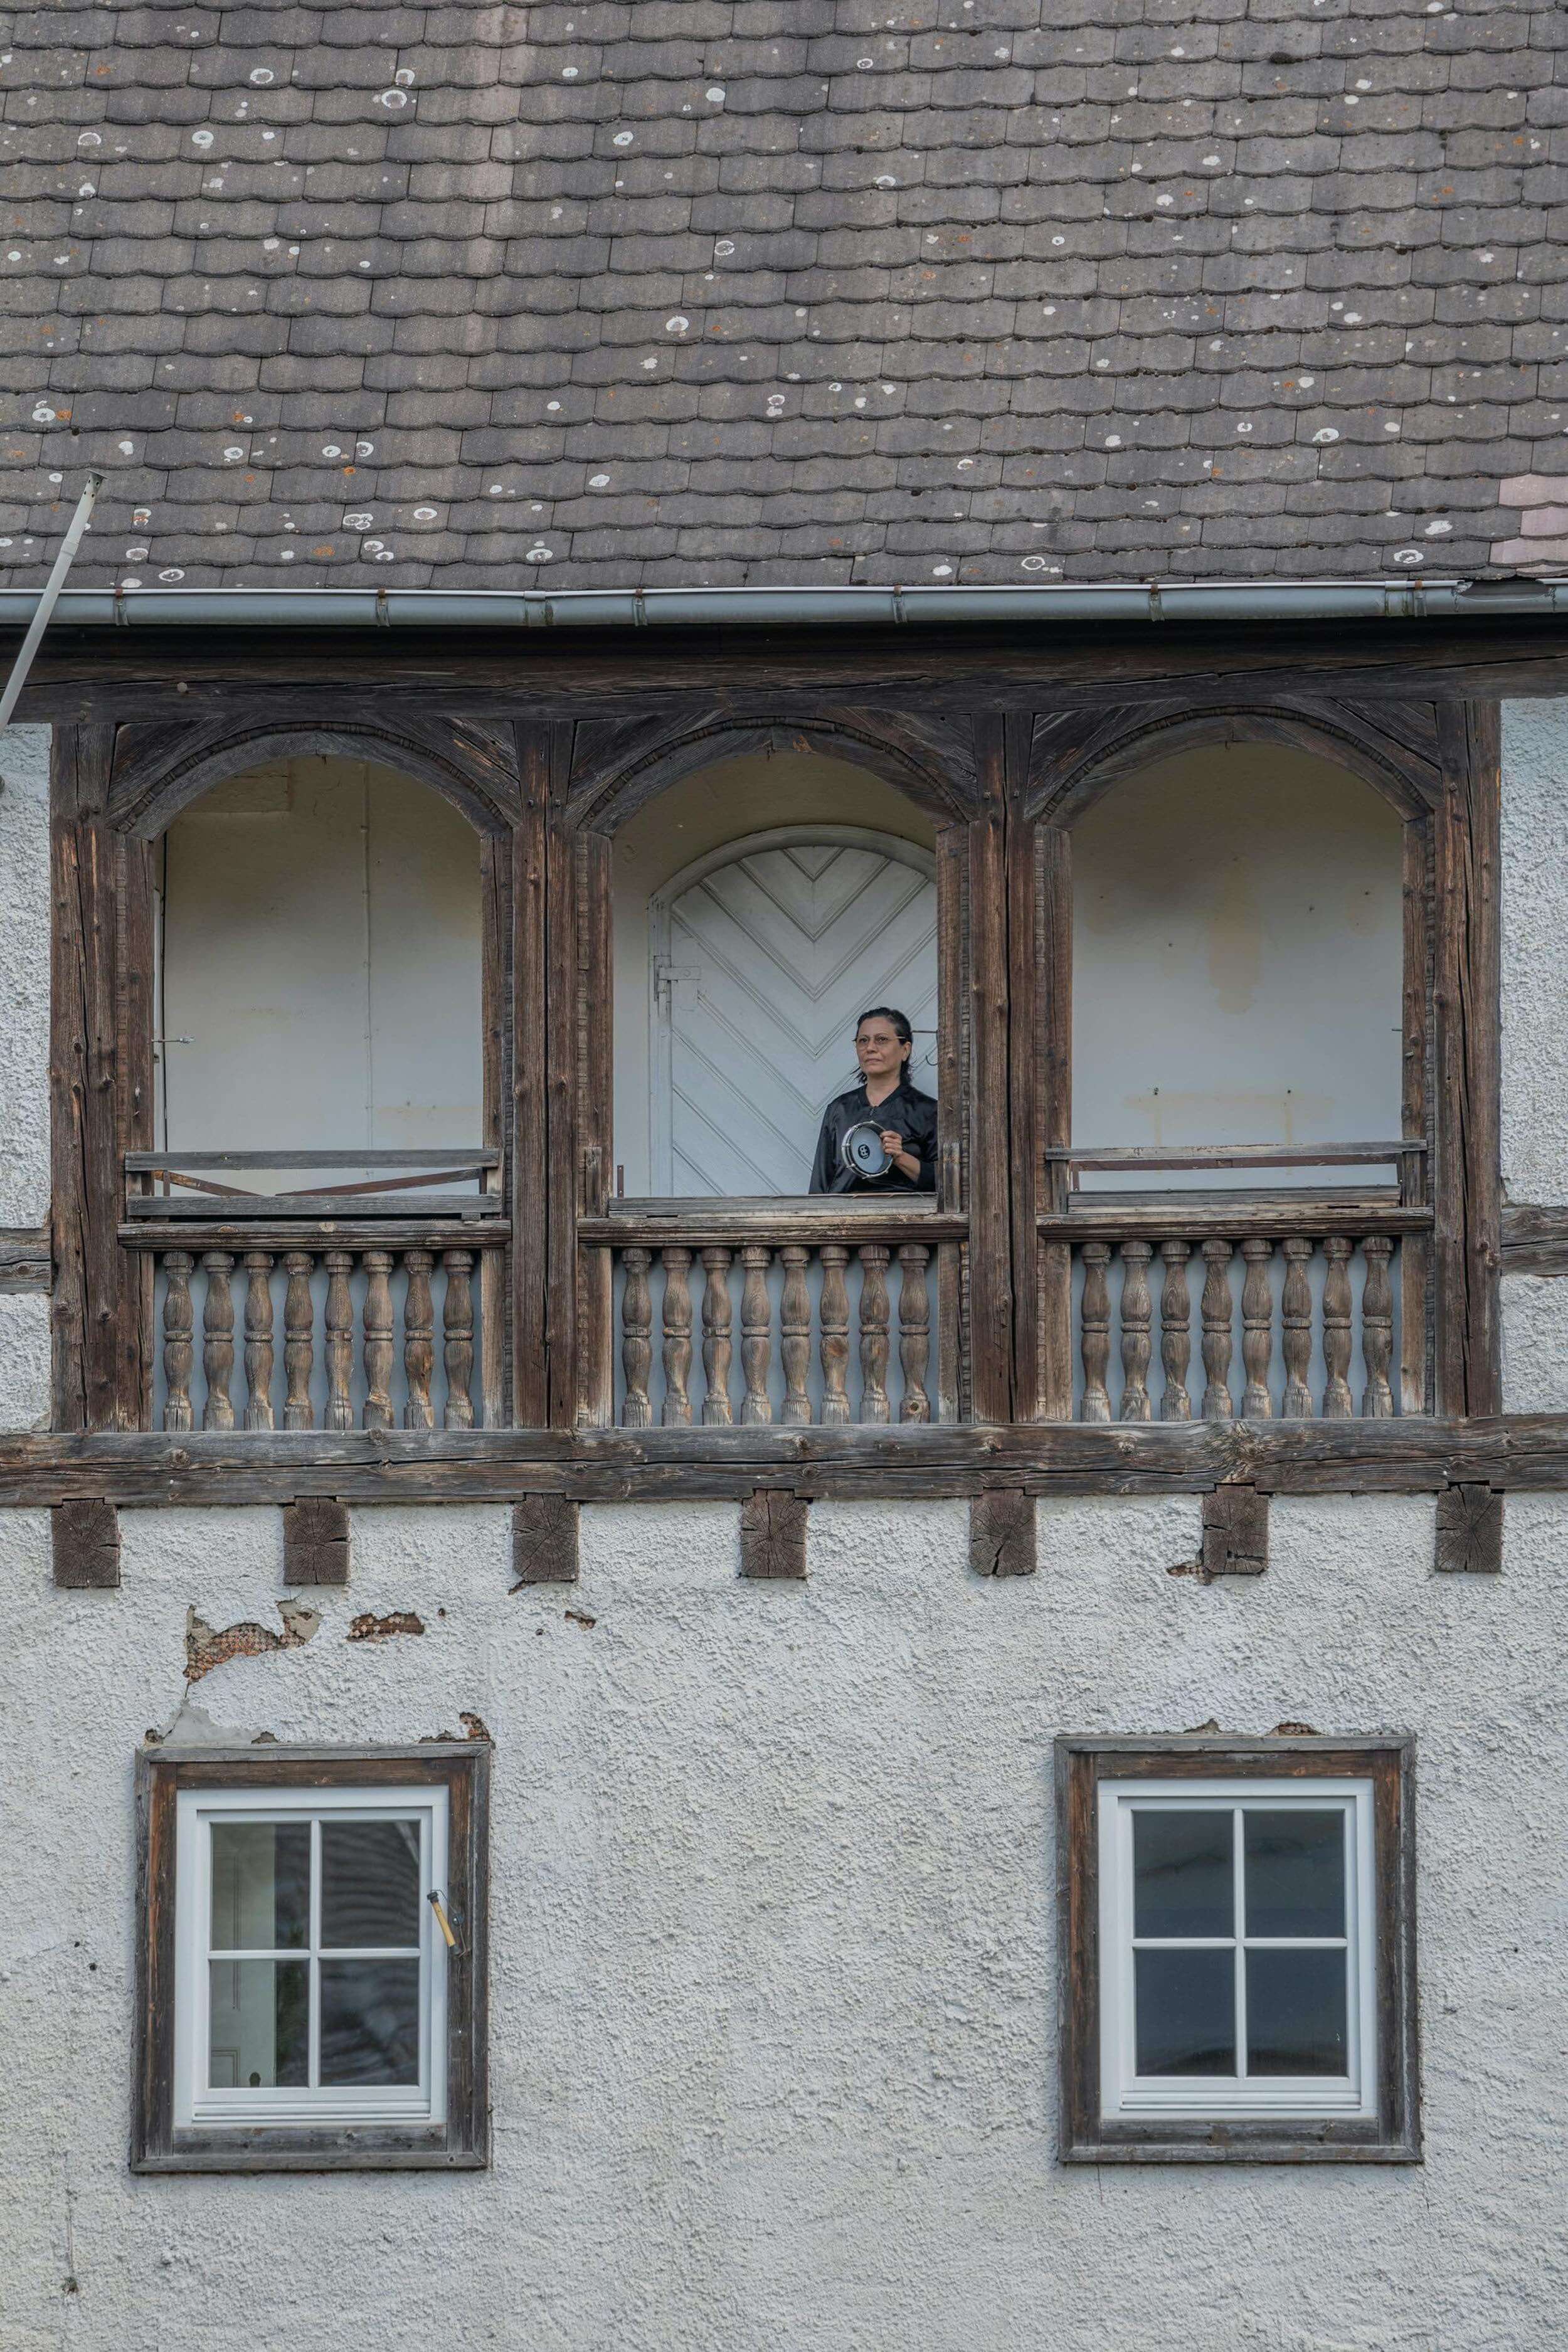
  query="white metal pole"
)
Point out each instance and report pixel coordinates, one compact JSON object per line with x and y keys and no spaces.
{"x":56,"y":582}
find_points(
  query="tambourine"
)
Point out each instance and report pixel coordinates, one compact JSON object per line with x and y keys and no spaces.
{"x":862,"y":1151}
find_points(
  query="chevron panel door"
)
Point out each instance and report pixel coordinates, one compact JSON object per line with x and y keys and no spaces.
{"x":761,"y":966}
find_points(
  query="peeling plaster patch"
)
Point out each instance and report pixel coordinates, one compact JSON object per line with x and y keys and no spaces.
{"x":206,"y":1647}
{"x":370,"y":1628}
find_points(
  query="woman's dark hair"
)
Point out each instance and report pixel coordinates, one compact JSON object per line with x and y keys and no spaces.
{"x":899,"y":1021}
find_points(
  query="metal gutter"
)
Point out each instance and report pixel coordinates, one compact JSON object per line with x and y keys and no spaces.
{"x":831,"y":607}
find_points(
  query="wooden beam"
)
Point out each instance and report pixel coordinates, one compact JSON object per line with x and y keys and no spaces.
{"x":1236,"y":1531}
{"x":773,"y":1535}
{"x":1002,"y":1532}
{"x":529,"y":1167}
{"x":544,"y":1541}
{"x":987,"y":1082}
{"x":1469,"y":1529}
{"x":26,"y":1260}
{"x":85,"y":1537}
{"x":1534,"y":1240}
{"x":1524,"y":1453}
{"x":316,"y":1541}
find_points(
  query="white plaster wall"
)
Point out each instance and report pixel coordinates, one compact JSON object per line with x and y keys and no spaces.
{"x":322,"y":951}
{"x":24,"y":976}
{"x":774,"y":2020}
{"x":1535,"y":950}
{"x":1534,"y":1343}
{"x":718,"y":804}
{"x":1236,"y":947}
{"x":25,"y":1368}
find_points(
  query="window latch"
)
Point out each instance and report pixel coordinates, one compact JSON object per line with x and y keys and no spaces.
{"x":442,"y":1921}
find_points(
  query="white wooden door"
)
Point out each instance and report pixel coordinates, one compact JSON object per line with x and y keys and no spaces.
{"x":764,"y":953}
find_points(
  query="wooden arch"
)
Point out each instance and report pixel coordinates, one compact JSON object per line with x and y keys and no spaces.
{"x":159,"y":770}
{"x":620,"y":769}
{"x":1394,"y":751}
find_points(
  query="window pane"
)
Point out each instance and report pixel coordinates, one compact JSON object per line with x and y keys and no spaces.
{"x":1182,"y":1866}
{"x":258,"y":2035}
{"x":1296,"y":2013}
{"x":261,"y":1886}
{"x":1295,"y":1873}
{"x":369,"y":2021}
{"x":370,"y":1884}
{"x":1185,"y":2012}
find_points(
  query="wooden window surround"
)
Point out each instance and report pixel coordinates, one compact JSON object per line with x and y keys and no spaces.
{"x":418,"y":2099}
{"x":1231,"y":1991}
{"x":842,"y":1314}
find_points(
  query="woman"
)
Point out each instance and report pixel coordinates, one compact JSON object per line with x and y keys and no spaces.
{"x":905,"y":1118}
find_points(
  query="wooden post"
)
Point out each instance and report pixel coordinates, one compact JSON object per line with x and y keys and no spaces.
{"x":991,"y":1172}
{"x":637,"y":1342}
{"x":534,"y":1317}
{"x":315,"y":1540}
{"x":100,"y":966}
{"x":675,"y":1409}
{"x":1469,"y":1530}
{"x":259,"y":1339}
{"x":1466,"y":1237}
{"x":795,"y":1333}
{"x":1235,"y":1531}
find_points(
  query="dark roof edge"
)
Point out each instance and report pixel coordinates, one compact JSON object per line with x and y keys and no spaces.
{"x":613,"y":608}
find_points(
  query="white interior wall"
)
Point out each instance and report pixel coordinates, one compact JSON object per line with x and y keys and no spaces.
{"x":321,"y":951}
{"x":773,"y":1962}
{"x":718,"y":804}
{"x":1238,"y":942}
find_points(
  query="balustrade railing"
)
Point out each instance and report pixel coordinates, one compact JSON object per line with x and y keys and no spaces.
{"x":1189,"y":1311}
{"x":727,"y":1313}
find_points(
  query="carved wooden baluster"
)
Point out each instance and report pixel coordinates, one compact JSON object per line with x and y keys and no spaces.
{"x":874,"y":1319}
{"x":914,"y":1330}
{"x":1218,"y":1404}
{"x":718,"y":1320}
{"x":1257,"y":1329}
{"x":1094,"y":1317}
{"x":458,"y":1338}
{"x":756,"y":1331}
{"x":179,"y":1324}
{"x":795,"y":1333}
{"x":1296,"y":1329}
{"x":637,"y":1342}
{"x":378,"y":1339}
{"x":259,"y":1339}
{"x":834,"y":1313}
{"x":217,"y":1339}
{"x":1337,"y":1402}
{"x":418,"y":1339}
{"x":1377,"y":1327}
{"x":340,"y":1348}
{"x":1175,"y":1330}
{"x":1137,"y":1316}
{"x":677,"y":1408}
{"x":298,"y":1339}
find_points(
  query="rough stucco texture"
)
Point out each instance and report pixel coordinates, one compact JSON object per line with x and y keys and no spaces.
{"x":24,"y":1400}
{"x":1535,"y":950}
{"x":1534,"y":1344}
{"x":25,"y":975}
{"x":774,"y":2018}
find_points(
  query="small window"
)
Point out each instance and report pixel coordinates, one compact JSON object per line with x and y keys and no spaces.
{"x":312,"y":1949}
{"x":1238,"y":1950}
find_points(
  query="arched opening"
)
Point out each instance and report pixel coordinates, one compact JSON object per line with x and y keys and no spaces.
{"x":319,"y":927}
{"x":744,"y":953}
{"x":1237,"y":964}
{"x":321,"y":1204}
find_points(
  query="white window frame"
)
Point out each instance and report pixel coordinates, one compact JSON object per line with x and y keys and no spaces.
{"x":1124,"y":2094}
{"x":198,"y":2103}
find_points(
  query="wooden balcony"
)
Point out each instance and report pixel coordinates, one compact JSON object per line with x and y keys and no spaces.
{"x":388,"y":1320}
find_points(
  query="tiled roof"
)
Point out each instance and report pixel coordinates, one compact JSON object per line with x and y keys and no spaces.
{"x":703,"y":291}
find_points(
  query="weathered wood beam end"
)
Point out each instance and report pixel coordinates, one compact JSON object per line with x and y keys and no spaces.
{"x":773,"y":1535}
{"x":316,"y":1541}
{"x":545,"y":1529}
{"x":1469,"y":1529}
{"x":1236,"y":1531}
{"x":1002,"y":1533}
{"x":86,"y":1543}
